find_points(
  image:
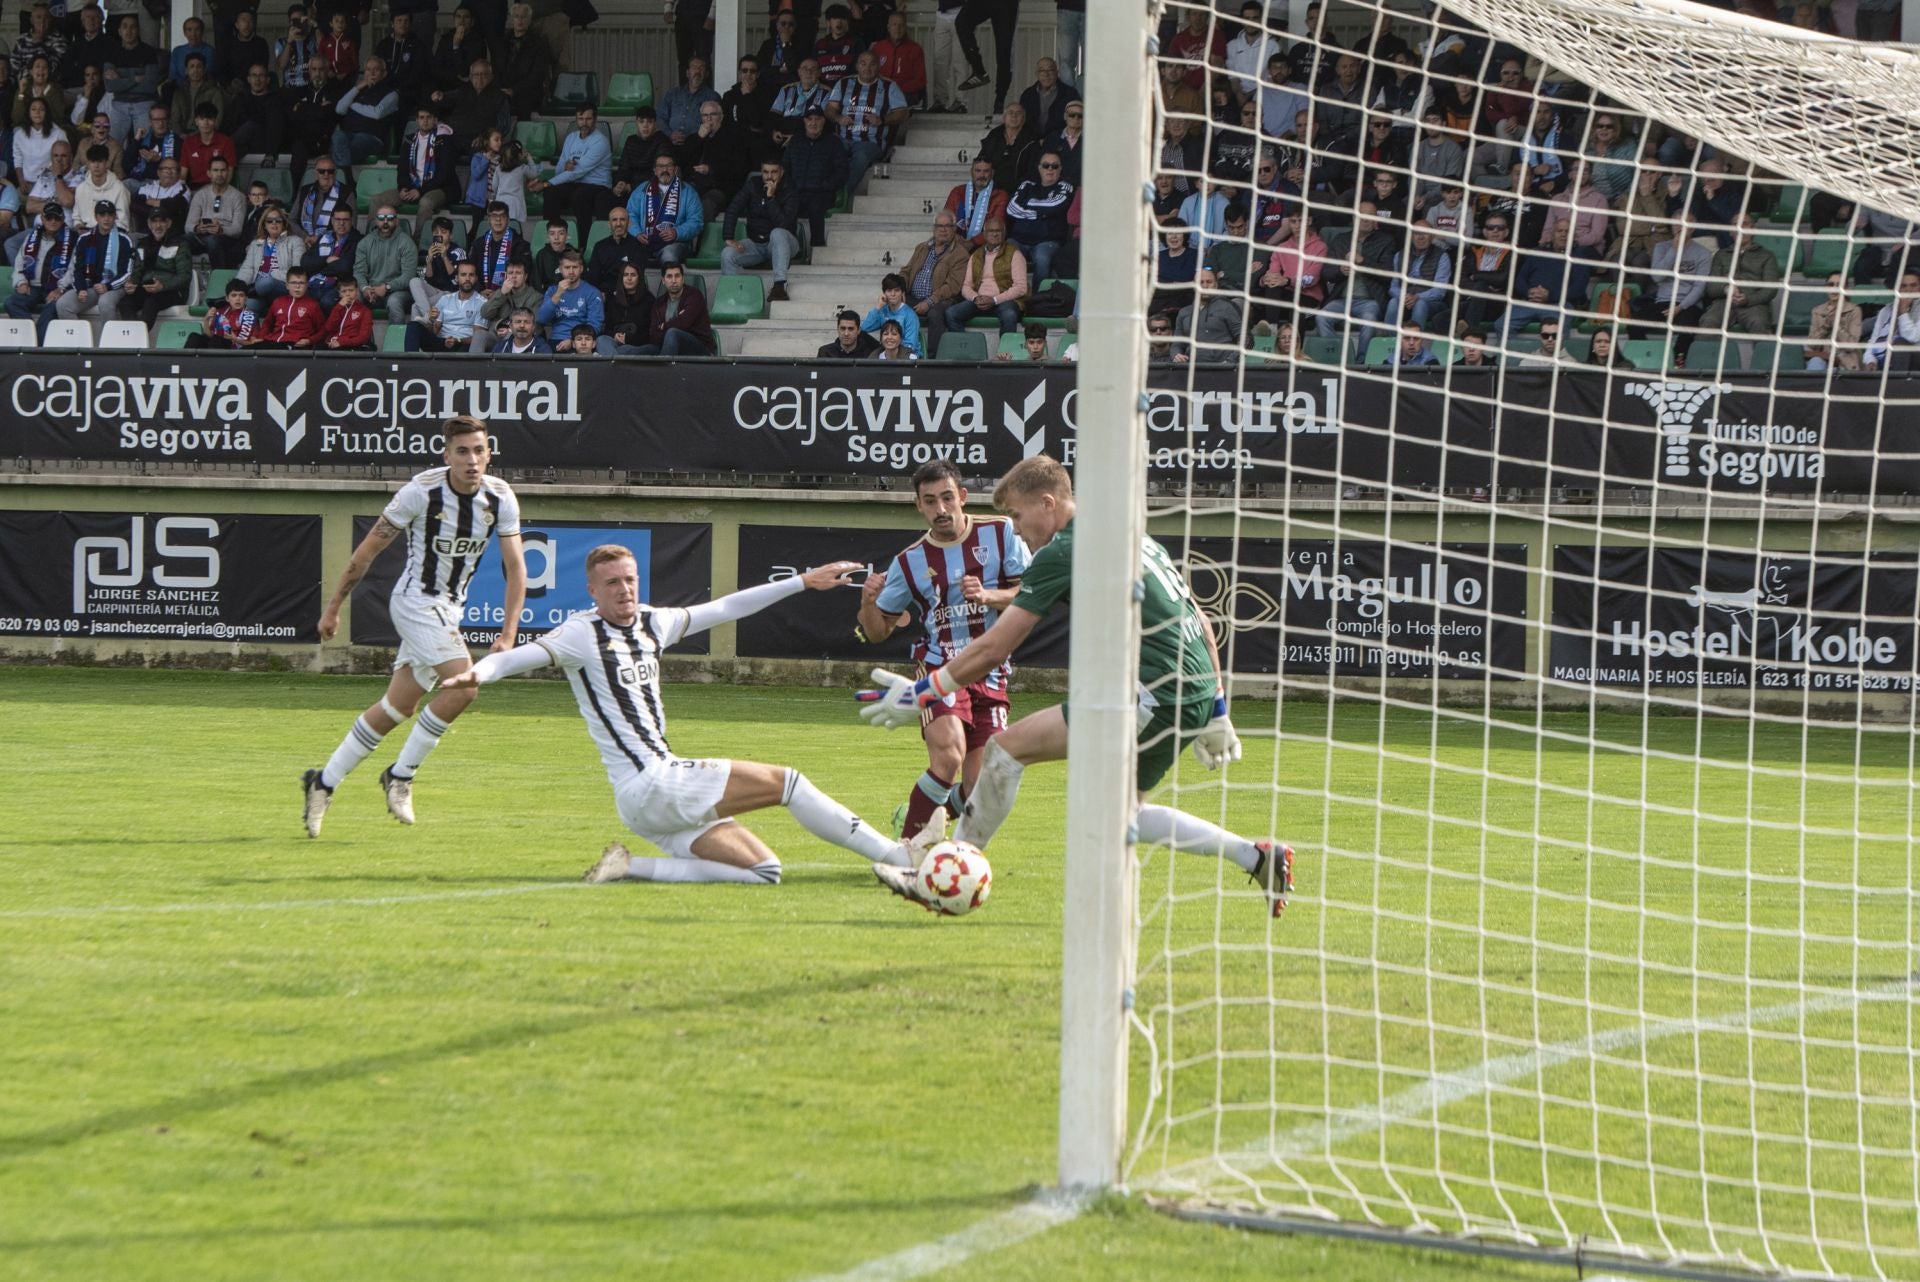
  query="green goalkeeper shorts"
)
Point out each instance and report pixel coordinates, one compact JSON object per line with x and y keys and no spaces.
{"x":1166,"y":729}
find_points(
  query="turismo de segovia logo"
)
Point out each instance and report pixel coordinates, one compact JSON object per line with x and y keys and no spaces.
{"x":1676,"y":404}
{"x":1737,"y":452}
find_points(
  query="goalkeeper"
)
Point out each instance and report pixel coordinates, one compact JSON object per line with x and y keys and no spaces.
{"x":1181,"y":696}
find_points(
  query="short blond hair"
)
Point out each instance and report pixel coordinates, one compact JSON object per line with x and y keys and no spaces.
{"x":607,"y":552}
{"x":1041,"y":474}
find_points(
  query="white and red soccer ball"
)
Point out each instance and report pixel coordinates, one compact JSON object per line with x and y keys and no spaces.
{"x":955,"y":878}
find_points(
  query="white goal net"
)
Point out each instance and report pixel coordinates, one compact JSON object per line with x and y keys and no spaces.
{"x":1529,"y":403}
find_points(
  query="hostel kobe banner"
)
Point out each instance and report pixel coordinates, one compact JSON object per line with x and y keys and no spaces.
{"x":675,"y":564}
{"x":1739,"y":434}
{"x":190,"y":578}
{"x":1690,"y":618}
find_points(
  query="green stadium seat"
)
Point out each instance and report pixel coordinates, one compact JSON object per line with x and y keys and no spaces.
{"x":278,"y":181}
{"x":1522,"y":344}
{"x":738,"y":299}
{"x":1645,"y":353}
{"x":1327,"y":351}
{"x":1801,"y":301}
{"x":1782,"y":245}
{"x":628,"y":91}
{"x":707,"y":256}
{"x":599,"y":232}
{"x":1821,"y":256}
{"x":1012,"y":346}
{"x":395,"y":339}
{"x":1706,"y":355}
{"x":370,"y":180}
{"x":1579,"y":346}
{"x":539,"y":137}
{"x":174,"y":333}
{"x":573,"y":90}
{"x":961,"y":345}
{"x":1780,"y":357}
{"x":1380,"y":350}
{"x":6,"y":282}
{"x":216,"y":291}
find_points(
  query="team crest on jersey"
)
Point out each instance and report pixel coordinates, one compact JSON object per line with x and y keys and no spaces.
{"x":638,"y":674}
{"x":459,"y":547}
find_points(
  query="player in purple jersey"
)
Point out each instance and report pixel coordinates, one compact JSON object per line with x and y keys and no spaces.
{"x":957,"y":577}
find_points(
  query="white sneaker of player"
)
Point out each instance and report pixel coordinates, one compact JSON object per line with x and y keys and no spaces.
{"x":904,"y":882}
{"x":908,"y":854}
{"x":615,"y":862}
{"x":399,"y":795}
{"x":317,"y":798}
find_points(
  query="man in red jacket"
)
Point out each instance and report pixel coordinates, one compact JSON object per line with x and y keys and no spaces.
{"x":680,"y":326}
{"x":349,"y":325}
{"x":294,"y":320}
{"x":975,"y":203}
{"x":903,"y":61}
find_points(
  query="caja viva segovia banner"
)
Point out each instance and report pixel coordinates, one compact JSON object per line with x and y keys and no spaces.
{"x":1740,"y":434}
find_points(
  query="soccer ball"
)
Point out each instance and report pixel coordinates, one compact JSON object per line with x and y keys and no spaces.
{"x":955,"y":878}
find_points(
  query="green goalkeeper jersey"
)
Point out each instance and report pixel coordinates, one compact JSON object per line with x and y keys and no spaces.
{"x":1174,"y":663}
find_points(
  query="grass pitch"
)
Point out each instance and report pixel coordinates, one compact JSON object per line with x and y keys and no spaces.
{"x":231,"y":1052}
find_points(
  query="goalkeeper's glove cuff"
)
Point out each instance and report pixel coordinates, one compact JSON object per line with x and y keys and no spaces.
{"x":1219,"y":706}
{"x":929,"y":689}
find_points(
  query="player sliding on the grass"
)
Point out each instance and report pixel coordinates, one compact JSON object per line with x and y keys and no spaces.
{"x":1181,"y":695}
{"x":685,"y":806}
{"x":448,"y":514}
{"x":960,"y":574}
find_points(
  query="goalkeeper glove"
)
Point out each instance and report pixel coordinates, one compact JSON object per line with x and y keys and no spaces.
{"x":899,"y":700}
{"x":1217,"y":744}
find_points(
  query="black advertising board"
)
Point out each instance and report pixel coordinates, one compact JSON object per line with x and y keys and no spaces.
{"x":1689,"y":618}
{"x":675,"y":563}
{"x":173,"y":577}
{"x":1738,"y":434}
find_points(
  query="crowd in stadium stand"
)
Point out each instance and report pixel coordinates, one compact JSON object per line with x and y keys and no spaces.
{"x":1428,"y":187}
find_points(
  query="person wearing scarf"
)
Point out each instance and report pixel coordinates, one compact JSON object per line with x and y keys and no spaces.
{"x":231,"y":325}
{"x":666,"y":213}
{"x":426,"y":175}
{"x":314,"y":205}
{"x":973,"y":203}
{"x":495,"y":248}
{"x":330,"y":260}
{"x":96,"y":273}
{"x":42,"y":262}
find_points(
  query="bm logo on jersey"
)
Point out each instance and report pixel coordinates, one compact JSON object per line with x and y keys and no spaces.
{"x":459,"y":547}
{"x":637,"y":674}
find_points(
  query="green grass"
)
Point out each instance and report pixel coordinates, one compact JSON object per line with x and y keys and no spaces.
{"x":230,"y":1052}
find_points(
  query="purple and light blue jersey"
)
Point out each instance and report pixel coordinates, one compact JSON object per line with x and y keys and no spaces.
{"x":927,"y":575}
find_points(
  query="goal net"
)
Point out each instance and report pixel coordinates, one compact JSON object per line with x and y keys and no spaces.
{"x":1528,"y":402}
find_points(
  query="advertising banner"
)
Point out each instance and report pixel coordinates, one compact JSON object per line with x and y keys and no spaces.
{"x":1688,"y":617}
{"x":1265,"y":425}
{"x":189,"y":578}
{"x":675,"y":563}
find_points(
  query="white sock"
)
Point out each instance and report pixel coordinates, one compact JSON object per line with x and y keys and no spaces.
{"x":830,"y":821}
{"x":427,"y":730}
{"x":991,"y":800}
{"x":1178,"y":830}
{"x":360,"y":742}
{"x":651,"y":868}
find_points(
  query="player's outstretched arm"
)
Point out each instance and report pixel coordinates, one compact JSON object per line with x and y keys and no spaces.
{"x":382,"y":533}
{"x":501,"y":663}
{"x":900,"y":699}
{"x":513,"y":560}
{"x":738,"y":605}
{"x":1218,"y":742}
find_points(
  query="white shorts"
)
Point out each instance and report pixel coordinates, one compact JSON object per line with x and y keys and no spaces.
{"x":429,"y":635}
{"x":675,"y":801}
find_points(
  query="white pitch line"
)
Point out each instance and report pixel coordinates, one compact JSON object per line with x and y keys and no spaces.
{"x":1007,"y":1228}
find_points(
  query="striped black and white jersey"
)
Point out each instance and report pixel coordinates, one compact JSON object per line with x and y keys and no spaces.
{"x":615,"y":675}
{"x":447,"y":532}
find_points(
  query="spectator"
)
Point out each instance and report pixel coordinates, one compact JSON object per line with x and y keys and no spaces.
{"x":46,"y":250}
{"x":1419,"y":291}
{"x":546,"y":263}
{"x":692,"y":31}
{"x":836,"y":47}
{"x":1611,"y":151}
{"x":748,"y":106}
{"x":1037,"y":215}
{"x":1010,"y":148}
{"x":1160,"y":339}
{"x":97,"y":272}
{"x":816,"y":165}
{"x":40,"y":40}
{"x":1889,"y":240}
{"x":781,"y":53}
{"x":526,"y":67}
{"x":582,"y":186}
{"x":1293,"y":271}
{"x":409,"y":60}
{"x":666,"y":213}
{"x":460,"y":46}
{"x":643,"y":146}
{"x":772,"y":212}
{"x":339,"y":47}
{"x":1743,"y":283}
{"x":293,"y":56}
{"x":893,"y":344}
{"x":499,"y":170}
{"x":522,"y":337}
{"x":1282,"y":98}
{"x":451,"y":317}
{"x":1003,"y":14}
{"x":384,"y":263}
{"x":215,"y":216}
{"x":197,"y":90}
{"x":1231,"y":255}
{"x":259,"y":200}
{"x":943,"y":89}
{"x":37,"y":85}
{"x":1833,"y":333}
{"x":1550,"y":352}
{"x":228,"y":325}
{"x":866,"y":109}
{"x":1066,"y":144}
{"x":367,"y":112}
{"x":329,"y":260}
{"x":161,"y":274}
{"x":1230,"y":159}
{"x":1646,"y":217}
{"x":1415,"y":348}
{"x":718,"y":157}
{"x":893,"y":306}
{"x":426,"y":174}
{"x":583,"y":341}
{"x":313,"y":204}
{"x":1540,"y":285}
{"x":1357,"y":280}
{"x":474,"y":108}
{"x":902,"y":60}
{"x":97,"y":188}
{"x":1045,"y":100}
{"x":33,"y":142}
{"x":271,"y":255}
{"x":1183,"y":154}
{"x":995,"y":282}
{"x":934,"y":276}
{"x":1679,"y":269}
{"x":1195,"y":46}
{"x":205,"y":145}
{"x":314,"y":115}
{"x":1438,"y":160}
{"x":571,"y":301}
{"x":132,"y":71}
{"x":92,"y":47}
{"x":792,"y":103}
{"x":617,"y":249}
{"x":295,"y":320}
{"x":1603,"y":351}
{"x":629,"y":310}
{"x":514,"y":295}
{"x":1204,"y":212}
{"x":92,"y":104}
{"x":1452,"y":217}
{"x":1487,"y":274}
{"x":349,"y":325}
{"x":1252,"y":49}
{"x":237,"y":52}
{"x":168,"y":190}
{"x":973,"y":202}
{"x":1175,"y":266}
{"x":1033,"y":346}
{"x":195,"y":43}
{"x":1215,"y":320}
{"x":1475,"y":354}
{"x":1715,"y":204}
{"x":1896,"y":327}
{"x":1507,"y":106}
{"x":439,"y":269}
{"x":680,"y":106}
{"x":851,"y":343}
{"x":148,"y":149}
{"x":680,"y":326}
